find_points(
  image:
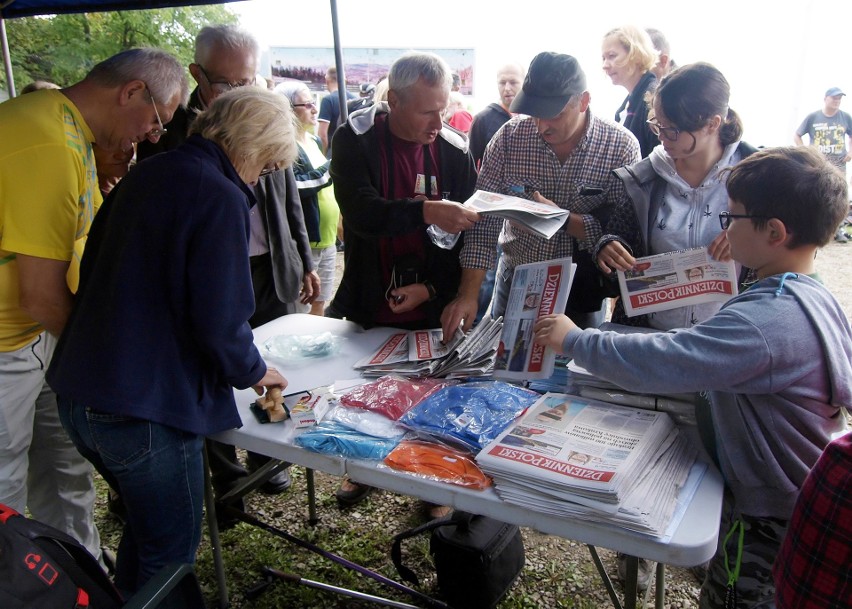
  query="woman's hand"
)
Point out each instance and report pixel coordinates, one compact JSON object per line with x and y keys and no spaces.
{"x":719,"y":249}
{"x":271,"y":379}
{"x":614,"y":257}
{"x":408,"y":298}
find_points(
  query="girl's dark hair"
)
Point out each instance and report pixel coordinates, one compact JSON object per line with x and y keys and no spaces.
{"x":692,"y":94}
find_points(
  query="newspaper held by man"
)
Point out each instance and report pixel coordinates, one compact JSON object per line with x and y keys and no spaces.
{"x":676,"y":279}
{"x":572,"y":456}
{"x":540,"y":218}
{"x":538,"y":288}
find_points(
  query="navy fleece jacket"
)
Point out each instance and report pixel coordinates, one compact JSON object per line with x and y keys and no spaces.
{"x":159,"y":327}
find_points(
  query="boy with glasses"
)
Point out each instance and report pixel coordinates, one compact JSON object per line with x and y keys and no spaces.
{"x":777,"y":361}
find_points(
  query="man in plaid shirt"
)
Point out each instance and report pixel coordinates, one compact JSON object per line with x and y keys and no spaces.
{"x":814,"y":568}
{"x":560,"y":153}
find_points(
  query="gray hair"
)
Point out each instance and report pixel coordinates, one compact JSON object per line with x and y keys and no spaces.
{"x":228,"y":37}
{"x":250,"y":123}
{"x":291,"y":88}
{"x":414,"y":66}
{"x":161,"y":72}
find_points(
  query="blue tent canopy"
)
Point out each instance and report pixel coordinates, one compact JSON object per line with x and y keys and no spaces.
{"x":27,"y":8}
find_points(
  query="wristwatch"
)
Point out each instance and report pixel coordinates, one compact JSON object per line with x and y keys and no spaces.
{"x":431,"y":289}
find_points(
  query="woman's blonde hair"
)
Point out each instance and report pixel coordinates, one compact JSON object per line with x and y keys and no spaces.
{"x":638,"y":44}
{"x":252,"y":124}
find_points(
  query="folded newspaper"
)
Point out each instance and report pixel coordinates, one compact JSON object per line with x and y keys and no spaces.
{"x":575,"y":457}
{"x":538,"y":288}
{"x":543,"y":219}
{"x":676,"y":279}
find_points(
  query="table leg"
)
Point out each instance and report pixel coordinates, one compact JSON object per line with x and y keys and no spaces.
{"x":661,"y":586}
{"x":313,"y":519}
{"x":607,"y":582}
{"x":215,"y":543}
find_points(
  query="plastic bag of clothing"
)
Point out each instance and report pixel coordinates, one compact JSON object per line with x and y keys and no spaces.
{"x":438,"y":462}
{"x":392,"y":396}
{"x":303,"y":348}
{"x":366,"y":421}
{"x":335,"y":439}
{"x":472,"y":414}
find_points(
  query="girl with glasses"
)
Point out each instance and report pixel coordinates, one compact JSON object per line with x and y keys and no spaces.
{"x":673,"y":198}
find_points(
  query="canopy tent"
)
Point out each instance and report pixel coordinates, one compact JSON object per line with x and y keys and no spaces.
{"x":28,"y":8}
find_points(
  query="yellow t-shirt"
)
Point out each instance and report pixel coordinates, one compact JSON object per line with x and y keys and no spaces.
{"x":48,"y":196}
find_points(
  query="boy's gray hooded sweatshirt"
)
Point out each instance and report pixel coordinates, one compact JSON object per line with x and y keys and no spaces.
{"x":777,"y":360}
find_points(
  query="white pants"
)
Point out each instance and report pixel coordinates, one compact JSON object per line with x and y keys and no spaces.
{"x":40,"y":468}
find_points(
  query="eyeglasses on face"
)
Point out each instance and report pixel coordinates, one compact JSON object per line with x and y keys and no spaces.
{"x":725,"y":218}
{"x":223,"y":86}
{"x":306,"y":105}
{"x":269,"y":169}
{"x":161,"y":130}
{"x":670,"y":133}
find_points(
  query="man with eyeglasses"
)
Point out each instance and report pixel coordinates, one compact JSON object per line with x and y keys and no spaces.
{"x":48,"y":198}
{"x":555,"y":151}
{"x":282,"y":269}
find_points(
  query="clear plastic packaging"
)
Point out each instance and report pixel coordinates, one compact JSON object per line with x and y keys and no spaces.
{"x":392,"y":396}
{"x":334,"y":439}
{"x":472,"y":414}
{"x":437,"y":461}
{"x":366,"y":421}
{"x":302,"y":348}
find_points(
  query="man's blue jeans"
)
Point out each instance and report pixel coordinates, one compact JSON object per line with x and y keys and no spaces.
{"x":159,"y":472}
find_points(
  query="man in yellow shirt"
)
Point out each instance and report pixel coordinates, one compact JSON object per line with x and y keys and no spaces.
{"x":48,"y":198}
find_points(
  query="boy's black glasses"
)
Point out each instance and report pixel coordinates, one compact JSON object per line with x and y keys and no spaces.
{"x":725,"y":218}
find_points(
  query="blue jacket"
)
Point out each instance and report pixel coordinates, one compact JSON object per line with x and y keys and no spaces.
{"x":777,"y":360}
{"x":159,"y":327}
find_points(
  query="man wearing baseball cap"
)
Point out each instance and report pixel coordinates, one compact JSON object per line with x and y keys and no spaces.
{"x":828,"y":130}
{"x":558,"y":153}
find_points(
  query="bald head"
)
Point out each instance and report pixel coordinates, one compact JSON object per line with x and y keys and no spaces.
{"x":510,"y":79}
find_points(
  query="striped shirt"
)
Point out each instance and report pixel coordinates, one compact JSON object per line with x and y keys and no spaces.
{"x":518,"y":161}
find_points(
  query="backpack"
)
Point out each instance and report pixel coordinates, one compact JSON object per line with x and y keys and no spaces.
{"x":45,"y":568}
{"x":477,"y":558}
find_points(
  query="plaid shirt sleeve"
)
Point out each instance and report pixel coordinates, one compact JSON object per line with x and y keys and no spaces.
{"x":480,"y":242}
{"x":813,"y":570}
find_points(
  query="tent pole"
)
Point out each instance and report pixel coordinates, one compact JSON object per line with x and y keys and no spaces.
{"x":338,"y":61}
{"x":7,"y":59}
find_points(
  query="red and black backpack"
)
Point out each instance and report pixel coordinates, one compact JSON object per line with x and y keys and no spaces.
{"x":45,"y":568}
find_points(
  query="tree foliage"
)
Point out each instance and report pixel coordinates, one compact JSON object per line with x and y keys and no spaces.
{"x":63,"y":48}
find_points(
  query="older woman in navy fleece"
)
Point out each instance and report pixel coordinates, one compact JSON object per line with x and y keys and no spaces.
{"x":159,"y":334}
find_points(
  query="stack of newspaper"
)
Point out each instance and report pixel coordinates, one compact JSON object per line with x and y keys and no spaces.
{"x":679,"y":406}
{"x":540,"y":218}
{"x":504,"y":347}
{"x":421,"y":353}
{"x":605,"y":463}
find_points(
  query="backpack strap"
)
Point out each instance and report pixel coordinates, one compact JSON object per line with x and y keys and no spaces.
{"x":396,"y":549}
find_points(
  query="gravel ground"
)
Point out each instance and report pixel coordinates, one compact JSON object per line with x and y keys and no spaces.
{"x":558,"y":573}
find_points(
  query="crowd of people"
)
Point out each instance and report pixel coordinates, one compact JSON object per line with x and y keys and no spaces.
{"x":129,"y":293}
